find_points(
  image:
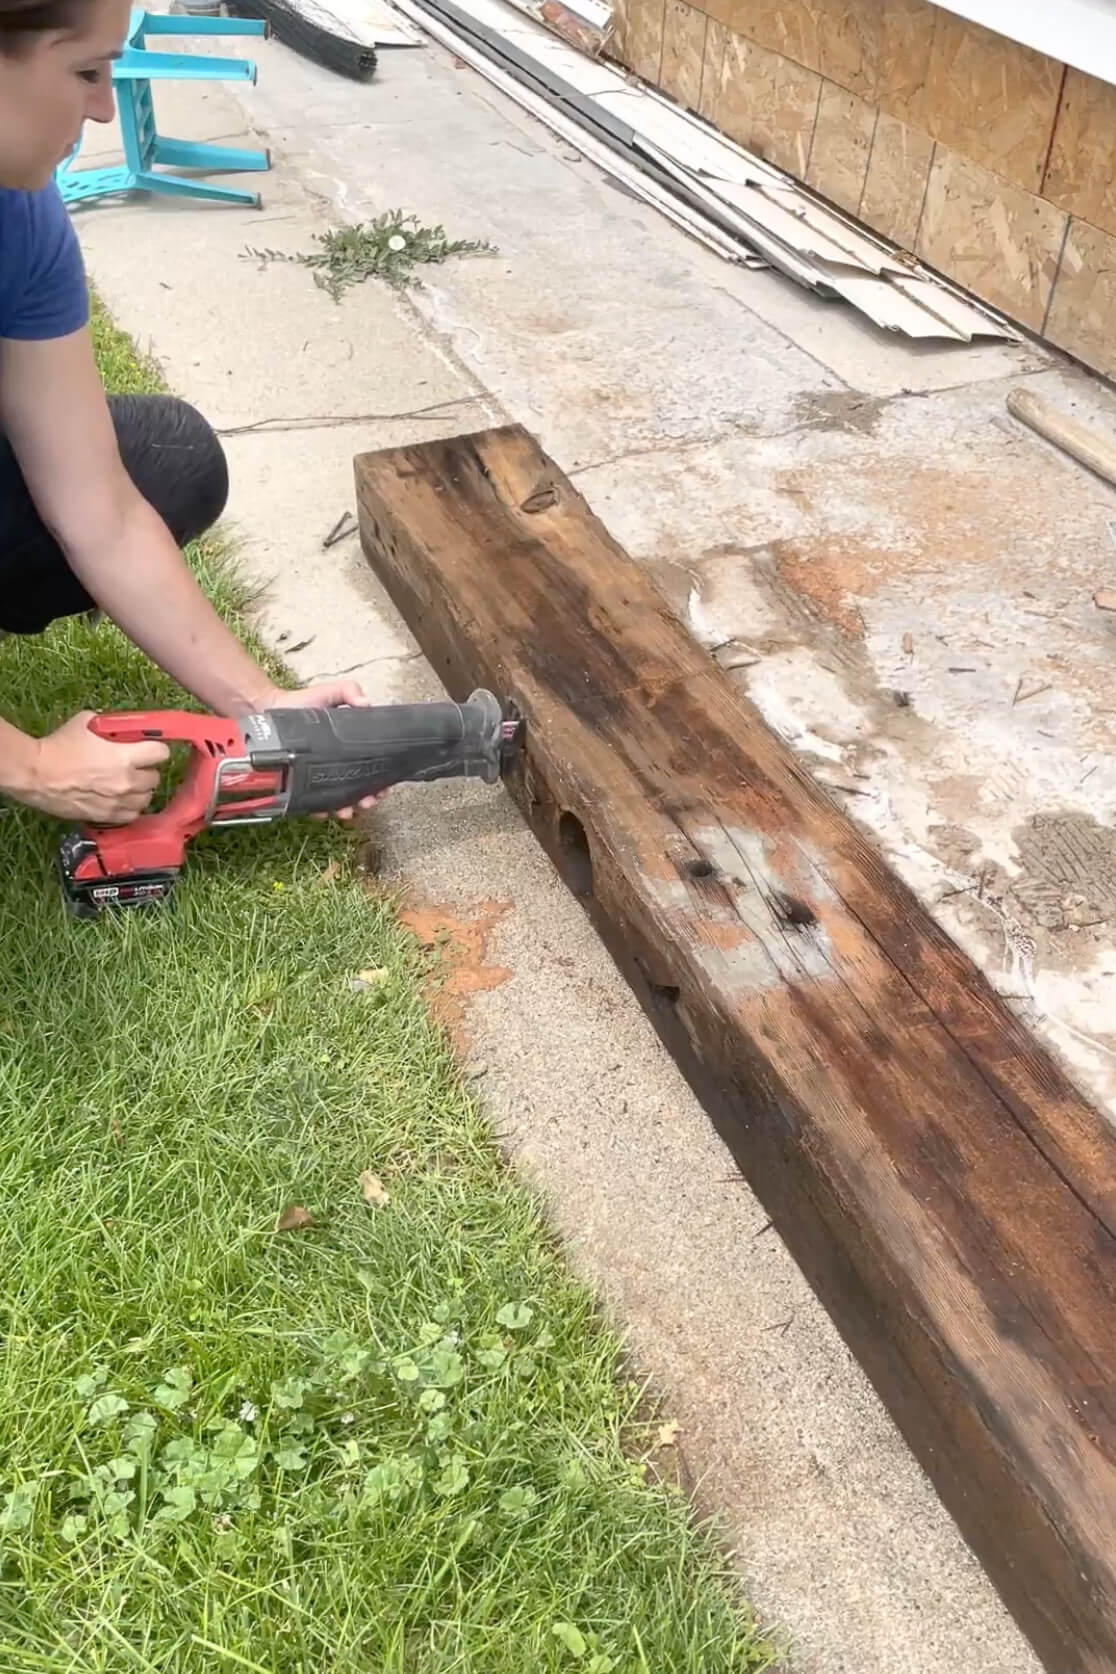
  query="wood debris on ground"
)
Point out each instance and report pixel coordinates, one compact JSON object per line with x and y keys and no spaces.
{"x":294,"y":1218}
{"x":373,"y":1190}
{"x":1088,"y":447}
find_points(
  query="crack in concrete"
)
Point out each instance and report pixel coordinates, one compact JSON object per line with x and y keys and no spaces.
{"x":367,"y":662}
{"x":690,"y":446}
{"x":333,"y":421}
{"x":823,"y":422}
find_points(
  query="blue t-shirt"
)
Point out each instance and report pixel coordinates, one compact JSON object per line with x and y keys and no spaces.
{"x":42,"y":275}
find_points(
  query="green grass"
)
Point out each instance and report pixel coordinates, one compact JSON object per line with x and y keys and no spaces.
{"x":393,"y":1442}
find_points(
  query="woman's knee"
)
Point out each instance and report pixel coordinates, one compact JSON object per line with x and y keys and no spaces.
{"x":175,"y":458}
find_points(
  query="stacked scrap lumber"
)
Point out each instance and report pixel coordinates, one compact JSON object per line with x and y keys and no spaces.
{"x":735,"y":202}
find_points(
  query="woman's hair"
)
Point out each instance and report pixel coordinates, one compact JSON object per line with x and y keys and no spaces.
{"x":20,"y":18}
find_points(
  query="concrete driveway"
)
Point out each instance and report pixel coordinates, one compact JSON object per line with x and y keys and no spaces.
{"x":863,"y":517}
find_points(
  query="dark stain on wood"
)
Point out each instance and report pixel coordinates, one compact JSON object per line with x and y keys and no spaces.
{"x":793,"y":912}
{"x":945,"y":1189}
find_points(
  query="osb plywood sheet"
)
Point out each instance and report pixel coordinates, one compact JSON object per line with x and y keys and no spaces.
{"x":767,"y":103}
{"x":1081,"y":174}
{"x":990,"y":99}
{"x":878,"y":49}
{"x":1083,"y":308}
{"x":713,"y":58}
{"x":684,"y":31}
{"x":788,"y":27}
{"x":997,"y":240}
{"x":906,"y":37}
{"x":848,"y":32}
{"x":637,"y":39}
{"x":842,"y":143}
{"x":895,"y":187}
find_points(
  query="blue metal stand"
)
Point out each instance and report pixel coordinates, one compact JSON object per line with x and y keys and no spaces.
{"x":145,"y":149}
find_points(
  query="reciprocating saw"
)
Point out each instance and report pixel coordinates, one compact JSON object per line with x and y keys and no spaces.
{"x":278,"y":764}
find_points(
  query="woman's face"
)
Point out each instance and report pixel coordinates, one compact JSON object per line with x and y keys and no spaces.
{"x":56,"y":82}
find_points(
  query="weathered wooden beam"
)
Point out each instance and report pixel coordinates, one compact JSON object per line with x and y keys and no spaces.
{"x":949,"y":1195}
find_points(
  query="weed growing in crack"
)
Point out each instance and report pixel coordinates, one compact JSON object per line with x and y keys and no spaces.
{"x":390,"y":247}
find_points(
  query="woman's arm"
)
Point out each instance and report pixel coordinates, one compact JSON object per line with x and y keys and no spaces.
{"x":55,"y":416}
{"x":54,"y":413}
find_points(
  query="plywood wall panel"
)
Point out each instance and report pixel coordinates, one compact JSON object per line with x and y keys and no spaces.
{"x":906,"y":39}
{"x":842,"y":142}
{"x":991,"y":162}
{"x":990,"y":99}
{"x":1081,"y":174}
{"x":999,"y":241}
{"x":789,"y":27}
{"x":868,"y":47}
{"x":848,"y":34}
{"x":712,"y":60}
{"x":895,"y":187}
{"x":1083,"y":308}
{"x":684,"y":31}
{"x":637,"y":40}
{"x":767,"y":103}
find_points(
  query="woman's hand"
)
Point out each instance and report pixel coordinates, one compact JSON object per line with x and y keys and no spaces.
{"x":73,"y":774}
{"x":329,"y":695}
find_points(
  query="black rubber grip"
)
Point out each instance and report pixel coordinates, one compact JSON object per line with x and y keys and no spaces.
{"x":339,"y":755}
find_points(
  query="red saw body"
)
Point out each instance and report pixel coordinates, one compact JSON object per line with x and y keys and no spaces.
{"x":275,"y":764}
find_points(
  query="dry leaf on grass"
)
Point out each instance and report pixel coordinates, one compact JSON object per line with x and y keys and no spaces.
{"x":368,"y":979}
{"x":333,"y":870}
{"x":373,"y":1190}
{"x":294,"y":1219}
{"x":669,"y":1433}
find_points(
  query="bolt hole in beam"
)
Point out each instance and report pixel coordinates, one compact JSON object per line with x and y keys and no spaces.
{"x":576,"y":860}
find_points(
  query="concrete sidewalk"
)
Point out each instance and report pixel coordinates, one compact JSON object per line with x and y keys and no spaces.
{"x":823,"y":492}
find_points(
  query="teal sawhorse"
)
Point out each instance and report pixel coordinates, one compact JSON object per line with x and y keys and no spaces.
{"x":145,"y":150}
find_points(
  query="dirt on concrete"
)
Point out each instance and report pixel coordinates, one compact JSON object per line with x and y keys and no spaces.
{"x":458,"y":968}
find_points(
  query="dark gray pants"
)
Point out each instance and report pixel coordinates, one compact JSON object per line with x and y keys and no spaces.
{"x":176,"y":462}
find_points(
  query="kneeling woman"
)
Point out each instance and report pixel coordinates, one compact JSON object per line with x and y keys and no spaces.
{"x":97,"y":496}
